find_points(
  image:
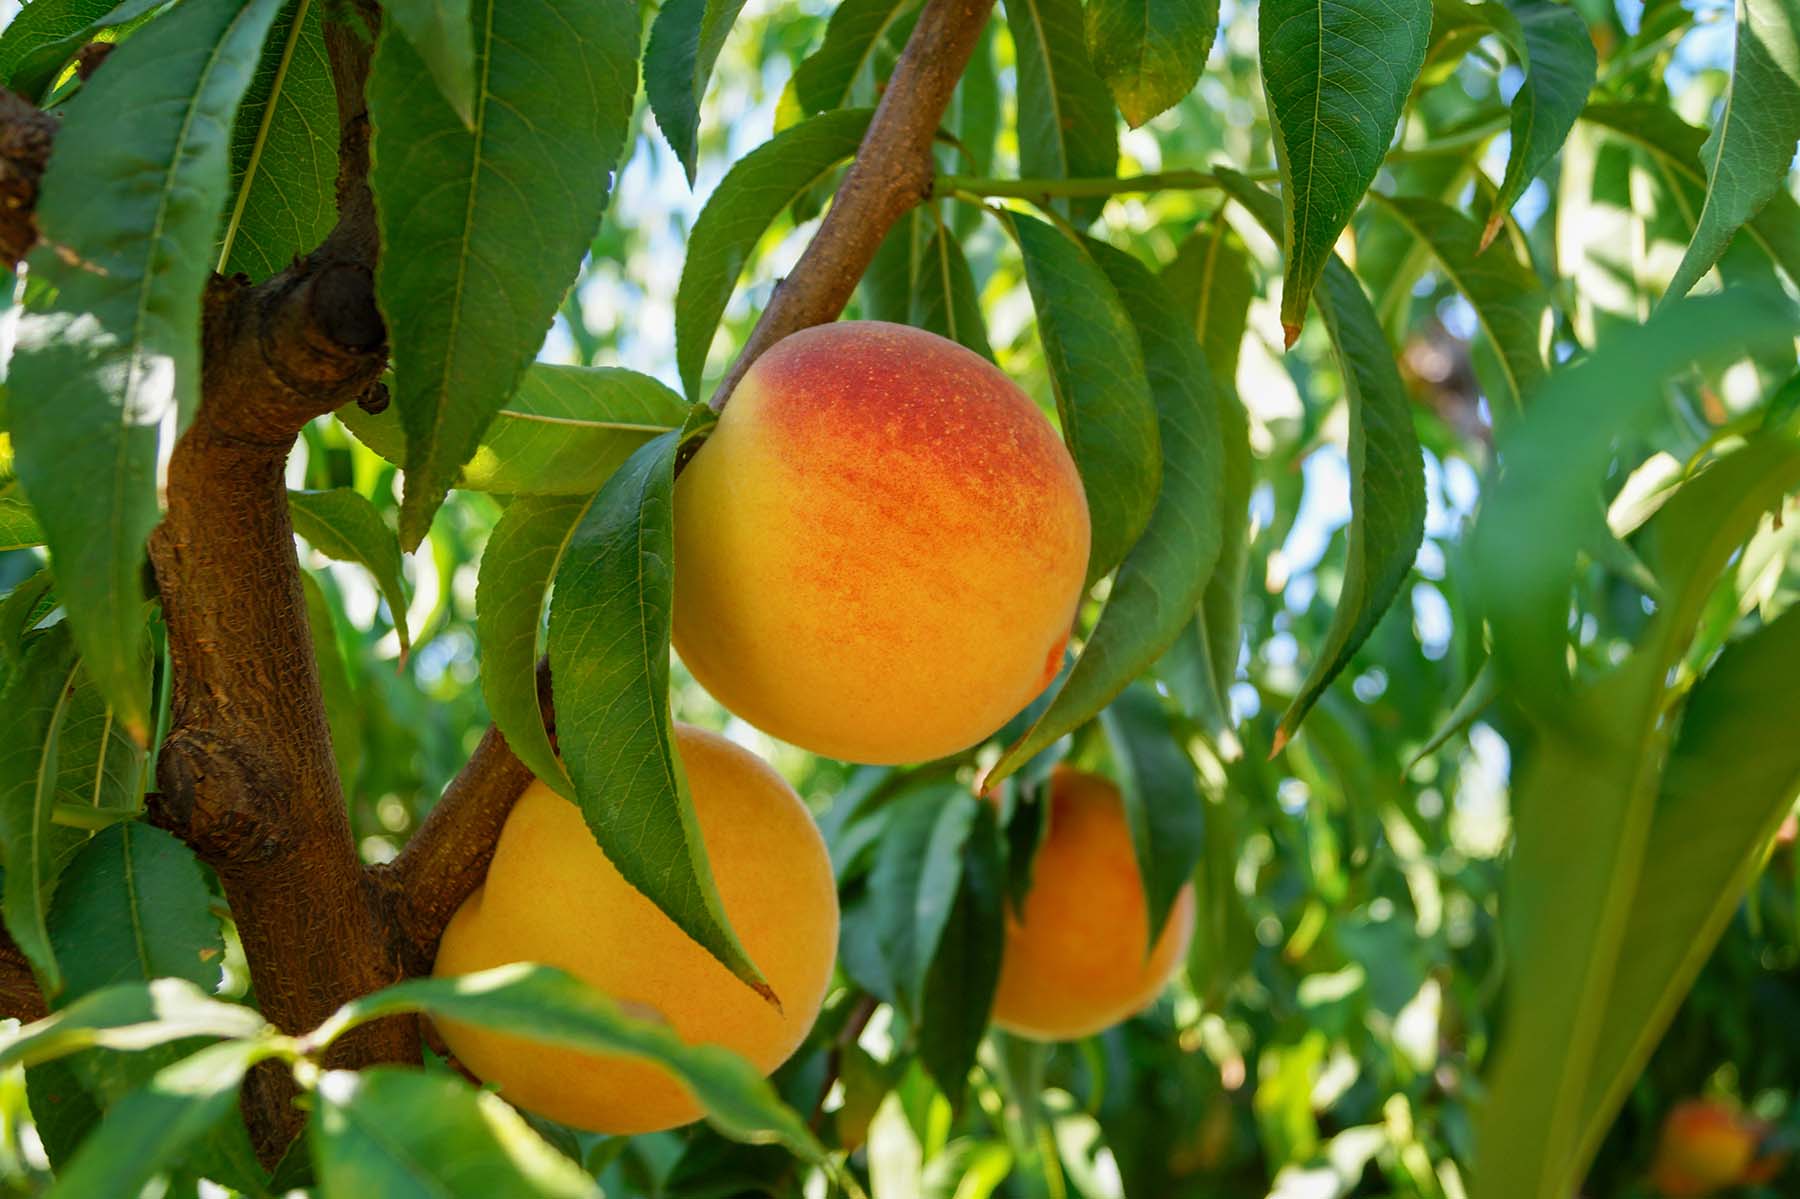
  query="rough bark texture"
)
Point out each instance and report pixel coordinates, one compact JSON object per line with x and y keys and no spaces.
{"x":25,"y":137}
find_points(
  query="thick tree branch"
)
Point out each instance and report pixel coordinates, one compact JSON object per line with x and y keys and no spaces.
{"x":25,"y":136}
{"x":892,"y":173}
{"x":20,"y":997}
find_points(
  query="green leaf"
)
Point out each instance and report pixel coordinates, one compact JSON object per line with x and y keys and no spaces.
{"x":1729,"y":781}
{"x":547,"y":1005}
{"x":1211,"y":280}
{"x":343,"y":525}
{"x":1337,"y":73}
{"x":1102,"y":393}
{"x":62,"y":1110}
{"x":130,"y":202}
{"x":19,"y":528}
{"x":153,"y":1126}
{"x":1150,"y":52}
{"x":442,"y":36}
{"x":24,"y":606}
{"x":685,"y":41}
{"x":755,"y":190}
{"x":609,"y":657}
{"x":473,"y":263}
{"x":1066,"y":128}
{"x":828,"y":76}
{"x":563,"y":432}
{"x":1751,"y":145}
{"x":1508,"y":300}
{"x":914,"y":882}
{"x":41,"y":40}
{"x":1387,"y":475}
{"x":943,"y":294}
{"x":284,"y":148}
{"x":1559,"y":66}
{"x":956,"y":998}
{"x":521,"y":558}
{"x":342,"y":707}
{"x":127,"y":1018}
{"x":1162,"y":799}
{"x":1163,"y":577}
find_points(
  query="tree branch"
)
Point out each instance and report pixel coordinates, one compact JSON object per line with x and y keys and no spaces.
{"x":892,"y":173}
{"x":25,"y":136}
{"x":20,"y":997}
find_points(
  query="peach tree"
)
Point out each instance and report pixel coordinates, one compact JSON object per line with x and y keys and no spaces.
{"x":1426,"y":371}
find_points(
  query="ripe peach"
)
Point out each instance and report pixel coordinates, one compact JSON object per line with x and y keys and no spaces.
{"x":880,"y":550}
{"x":1074,"y":961}
{"x":552,"y":896}
{"x":1705,"y":1147}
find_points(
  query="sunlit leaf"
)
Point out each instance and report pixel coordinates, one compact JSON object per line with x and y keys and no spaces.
{"x":1150,"y":53}
{"x":685,"y":41}
{"x":343,"y":525}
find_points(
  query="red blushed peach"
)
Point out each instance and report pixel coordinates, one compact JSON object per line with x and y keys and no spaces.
{"x":880,"y":550}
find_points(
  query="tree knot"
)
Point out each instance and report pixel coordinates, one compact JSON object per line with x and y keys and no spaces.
{"x":228,"y":800}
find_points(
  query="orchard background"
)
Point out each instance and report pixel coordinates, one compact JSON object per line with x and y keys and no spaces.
{"x":1447,"y":649}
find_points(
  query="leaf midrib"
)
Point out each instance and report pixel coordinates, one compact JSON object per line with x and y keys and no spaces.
{"x":262,"y":133}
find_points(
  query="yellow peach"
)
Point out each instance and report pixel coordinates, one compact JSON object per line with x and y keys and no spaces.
{"x":1074,"y":961}
{"x":552,"y":896}
{"x":880,"y":549}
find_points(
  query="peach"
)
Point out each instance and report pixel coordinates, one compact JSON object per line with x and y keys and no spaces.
{"x":880,"y":549}
{"x":552,"y":896}
{"x":1705,"y":1147}
{"x":1075,"y":959}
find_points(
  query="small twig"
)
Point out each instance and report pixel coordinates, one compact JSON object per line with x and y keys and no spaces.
{"x":834,"y":1061}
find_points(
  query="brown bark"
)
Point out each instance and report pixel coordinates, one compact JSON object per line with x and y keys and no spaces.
{"x":25,"y":137}
{"x":20,"y":998}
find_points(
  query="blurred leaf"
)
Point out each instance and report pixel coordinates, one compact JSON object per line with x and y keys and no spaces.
{"x":343,"y":525}
{"x":472,"y":268}
{"x":1751,"y":146}
{"x":1483,"y":689}
{"x":1162,"y":799}
{"x":1102,"y":393}
{"x":546,"y":1005}
{"x":130,"y":203}
{"x":685,"y":41}
{"x":974,"y":117}
{"x":522,"y":557}
{"x":563,"y":432}
{"x":24,"y":606}
{"x":1507,"y":298}
{"x":62,"y":1110}
{"x":914,"y":883}
{"x":442,"y":36}
{"x":399,"y":1132}
{"x":827,"y":76}
{"x":755,"y":190}
{"x":1066,"y":127}
{"x":19,"y":528}
{"x":1163,"y":577}
{"x":153,"y":1126}
{"x":129,"y":1017}
{"x":609,"y":657}
{"x":956,"y":995}
{"x":1337,"y":73}
{"x":39,"y":42}
{"x":1210,"y":278}
{"x":283,"y":150}
{"x":1559,"y":67}
{"x":1150,"y":52}
{"x":943,"y":296}
{"x":342,"y":707}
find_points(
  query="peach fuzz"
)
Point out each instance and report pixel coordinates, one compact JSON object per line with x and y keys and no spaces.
{"x":880,"y":550}
{"x":551,"y":896}
{"x":1075,"y":960}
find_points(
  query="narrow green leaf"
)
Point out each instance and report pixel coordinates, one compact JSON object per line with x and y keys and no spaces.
{"x":1509,"y":302}
{"x":957,"y":995}
{"x":914,"y":882}
{"x":283,"y":151}
{"x":37,"y":701}
{"x":1482,"y":690}
{"x":685,"y":41}
{"x":1559,"y":66}
{"x":62,"y":1110}
{"x":128,"y":1018}
{"x":343,"y":525}
{"x":563,"y":432}
{"x":19,"y":528}
{"x":1150,"y":52}
{"x":1387,"y":474}
{"x":943,"y":294}
{"x":153,"y":1127}
{"x":609,"y":655}
{"x":1065,"y":114}
{"x":828,"y":76}
{"x":473,"y":262}
{"x":25,"y":605}
{"x":442,"y":35}
{"x":1751,"y":145}
{"x":130,"y":203}
{"x":521,"y":558}
{"x":544,"y":1004}
{"x":1162,"y":579}
{"x":755,"y":190}
{"x":1210,"y":278}
{"x":1162,"y":799}
{"x":368,"y":1138}
{"x":99,"y":767}
{"x":41,"y":40}
{"x":1102,"y":394}
{"x":342,"y":711}
{"x":1337,"y":73}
